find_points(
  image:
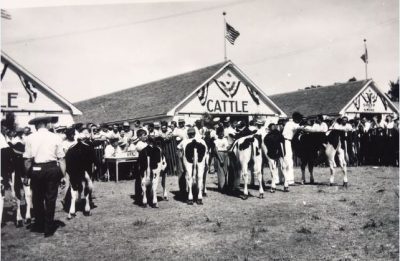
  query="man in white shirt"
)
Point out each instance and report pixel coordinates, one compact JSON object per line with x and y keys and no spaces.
{"x":342,"y":124}
{"x":165,"y":132}
{"x":151,"y":131}
{"x":288,"y":132}
{"x":199,"y":129}
{"x":127,"y":129}
{"x":229,"y":132}
{"x":142,"y":143}
{"x":181,"y":131}
{"x":318,"y":126}
{"x":69,"y":140}
{"x":45,"y":163}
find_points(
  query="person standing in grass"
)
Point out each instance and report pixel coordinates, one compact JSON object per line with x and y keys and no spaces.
{"x":221,"y":159}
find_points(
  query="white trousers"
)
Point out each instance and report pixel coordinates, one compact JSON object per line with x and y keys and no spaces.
{"x":288,"y":163}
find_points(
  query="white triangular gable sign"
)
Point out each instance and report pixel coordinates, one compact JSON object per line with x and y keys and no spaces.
{"x":370,"y":101}
{"x":227,"y":94}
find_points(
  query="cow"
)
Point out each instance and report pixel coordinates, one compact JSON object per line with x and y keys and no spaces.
{"x":308,"y":144}
{"x":272,"y":147}
{"x":79,"y":160}
{"x":151,"y":164}
{"x":18,"y":173}
{"x":248,"y":152}
{"x":195,"y":156}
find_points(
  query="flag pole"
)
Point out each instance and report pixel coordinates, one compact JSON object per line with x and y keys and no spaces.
{"x":225,"y":58}
{"x":366,"y":59}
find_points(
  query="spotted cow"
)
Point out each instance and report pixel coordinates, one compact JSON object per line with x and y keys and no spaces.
{"x":248,"y":153}
{"x":18,"y":172}
{"x":79,"y":163}
{"x":151,"y":164}
{"x":194,"y":159}
{"x":307,"y":146}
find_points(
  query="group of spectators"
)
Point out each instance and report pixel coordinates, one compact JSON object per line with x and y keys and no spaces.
{"x":371,"y":141}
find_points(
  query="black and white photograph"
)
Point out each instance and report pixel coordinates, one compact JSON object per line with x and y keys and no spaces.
{"x":199,"y":130}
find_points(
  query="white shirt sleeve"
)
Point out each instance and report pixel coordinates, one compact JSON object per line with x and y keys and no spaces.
{"x":59,"y":148}
{"x":109,"y":151}
{"x":28,"y":149}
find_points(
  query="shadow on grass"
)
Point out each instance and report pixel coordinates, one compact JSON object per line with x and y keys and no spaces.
{"x":137,"y":200}
{"x":9,"y":215}
{"x":179,"y":196}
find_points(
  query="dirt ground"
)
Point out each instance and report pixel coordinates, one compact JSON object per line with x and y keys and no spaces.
{"x":312,"y":222}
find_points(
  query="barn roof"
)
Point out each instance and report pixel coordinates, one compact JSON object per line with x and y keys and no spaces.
{"x":328,"y":100}
{"x":148,"y":100}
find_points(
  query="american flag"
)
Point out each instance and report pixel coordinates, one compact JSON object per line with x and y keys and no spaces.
{"x":231,"y":33}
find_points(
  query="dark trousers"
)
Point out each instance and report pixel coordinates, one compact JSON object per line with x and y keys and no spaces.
{"x":221,"y":163}
{"x":234,"y":174}
{"x":44,"y":184}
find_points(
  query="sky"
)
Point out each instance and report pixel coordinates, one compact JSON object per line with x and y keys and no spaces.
{"x":83,"y":51}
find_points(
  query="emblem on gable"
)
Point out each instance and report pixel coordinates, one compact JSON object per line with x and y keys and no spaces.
{"x":228,"y":84}
{"x":368,"y":100}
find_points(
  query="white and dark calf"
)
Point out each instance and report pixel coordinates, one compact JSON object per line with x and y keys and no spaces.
{"x":79,"y":184}
{"x":17,"y":187}
{"x":273,"y":152}
{"x":194,"y":158}
{"x":307,"y":146}
{"x":248,"y":151}
{"x":152,"y":164}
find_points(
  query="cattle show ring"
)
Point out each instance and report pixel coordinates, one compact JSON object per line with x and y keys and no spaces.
{"x":321,"y":217}
{"x":126,"y":136}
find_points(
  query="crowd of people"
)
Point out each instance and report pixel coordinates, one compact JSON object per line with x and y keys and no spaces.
{"x":369,"y":142}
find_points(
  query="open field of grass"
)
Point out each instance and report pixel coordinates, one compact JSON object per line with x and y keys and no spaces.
{"x":312,"y":222}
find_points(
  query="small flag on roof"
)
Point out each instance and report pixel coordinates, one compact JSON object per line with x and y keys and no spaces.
{"x":364,"y":57}
{"x":231,"y":33}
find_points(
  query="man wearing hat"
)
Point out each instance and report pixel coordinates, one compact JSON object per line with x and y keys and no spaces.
{"x":45,"y":166}
{"x":181,"y":131}
{"x":288,"y":132}
{"x":127,"y":129}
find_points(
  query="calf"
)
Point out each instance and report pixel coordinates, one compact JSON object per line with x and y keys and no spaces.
{"x":18,"y":172}
{"x":307,"y":145}
{"x":79,"y":163}
{"x":194,"y":160}
{"x":151,"y":163}
{"x":248,"y":152}
{"x":272,"y":147}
